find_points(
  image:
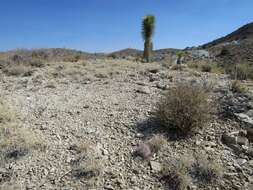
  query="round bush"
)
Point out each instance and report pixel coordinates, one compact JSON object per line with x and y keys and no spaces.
{"x":184,"y":108}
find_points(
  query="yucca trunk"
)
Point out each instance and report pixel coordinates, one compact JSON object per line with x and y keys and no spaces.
{"x":148,"y":47}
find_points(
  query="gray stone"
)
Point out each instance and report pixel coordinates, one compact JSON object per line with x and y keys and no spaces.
{"x":251,"y":163}
{"x":242,"y":140}
{"x":241,"y":161}
{"x":245,"y":119}
{"x":143,"y":90}
{"x":228,"y":139}
{"x":139,"y":135}
{"x":155,"y":166}
{"x":161,"y":86}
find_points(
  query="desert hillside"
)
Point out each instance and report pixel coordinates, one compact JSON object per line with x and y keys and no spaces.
{"x":93,"y":123}
{"x":235,"y":48}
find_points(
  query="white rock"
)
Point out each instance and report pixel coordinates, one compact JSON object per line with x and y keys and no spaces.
{"x":155,"y":166}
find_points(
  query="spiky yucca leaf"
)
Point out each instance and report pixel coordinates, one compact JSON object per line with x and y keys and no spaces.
{"x":148,"y":27}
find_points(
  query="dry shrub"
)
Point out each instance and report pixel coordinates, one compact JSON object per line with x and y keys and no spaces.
{"x":72,"y":58}
{"x":184,"y":108}
{"x":175,"y":174}
{"x":206,"y":68}
{"x":244,"y":72}
{"x":193,"y":65}
{"x":177,"y":67}
{"x":206,"y":171}
{"x":87,"y":169}
{"x":239,"y":71}
{"x":86,"y":165}
{"x":156,"y":143}
{"x":238,"y":87}
{"x":17,"y":70}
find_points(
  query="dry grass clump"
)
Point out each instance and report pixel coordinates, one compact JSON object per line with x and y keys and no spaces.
{"x":239,"y":71}
{"x":238,"y":87}
{"x":178,"y":67}
{"x":72,"y":58}
{"x":244,"y":72}
{"x":17,"y":70}
{"x":175,"y":175}
{"x":206,"y":171}
{"x":156,"y":143}
{"x":181,"y":173}
{"x":87,"y":169}
{"x":206,"y":68}
{"x":15,"y":141}
{"x":193,"y":65}
{"x":184,"y":108}
{"x":85,"y":165}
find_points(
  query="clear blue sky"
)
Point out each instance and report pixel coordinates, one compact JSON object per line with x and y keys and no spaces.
{"x":107,"y":25}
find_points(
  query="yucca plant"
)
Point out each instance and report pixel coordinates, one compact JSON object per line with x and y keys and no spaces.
{"x":148,"y":27}
{"x":180,"y":55}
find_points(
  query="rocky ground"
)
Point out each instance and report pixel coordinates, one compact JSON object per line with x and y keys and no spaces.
{"x":96,"y":112}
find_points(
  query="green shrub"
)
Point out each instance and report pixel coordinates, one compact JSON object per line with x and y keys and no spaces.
{"x":184,"y":108}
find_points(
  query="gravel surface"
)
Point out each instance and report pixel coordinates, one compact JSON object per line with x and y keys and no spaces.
{"x":107,"y":105}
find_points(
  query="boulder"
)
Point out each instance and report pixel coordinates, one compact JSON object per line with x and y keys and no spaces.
{"x":245,"y":119}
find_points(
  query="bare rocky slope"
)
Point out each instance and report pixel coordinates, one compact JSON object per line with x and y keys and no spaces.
{"x":93,"y":113}
{"x":236,"y":47}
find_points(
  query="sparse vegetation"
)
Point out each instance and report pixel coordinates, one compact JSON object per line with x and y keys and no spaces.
{"x":175,"y":175}
{"x":244,"y":72}
{"x":181,"y":173}
{"x":17,"y":70}
{"x":15,"y":141}
{"x":239,"y":71}
{"x":184,"y":108}
{"x":180,"y":56}
{"x":206,"y":171}
{"x":156,"y":143}
{"x":85,"y":165}
{"x":148,"y":27}
{"x":87,"y":169}
{"x":72,"y":58}
{"x":177,"y":67}
{"x":238,"y":87}
{"x":206,"y":68}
